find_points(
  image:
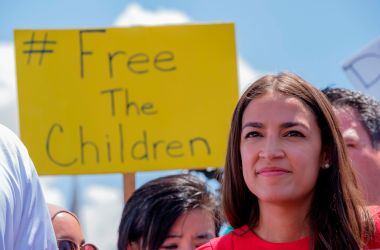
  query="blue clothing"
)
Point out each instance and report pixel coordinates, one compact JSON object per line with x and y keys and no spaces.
{"x":24,"y":219}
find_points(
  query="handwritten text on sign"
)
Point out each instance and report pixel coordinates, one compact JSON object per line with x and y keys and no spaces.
{"x":126,"y":99}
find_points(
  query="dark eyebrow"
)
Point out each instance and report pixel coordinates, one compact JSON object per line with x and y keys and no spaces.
{"x":293,"y":124}
{"x":253,"y":125}
{"x":204,"y":236}
{"x":284,"y":125}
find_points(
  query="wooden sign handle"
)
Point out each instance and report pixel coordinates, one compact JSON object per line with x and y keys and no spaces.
{"x":129,"y":185}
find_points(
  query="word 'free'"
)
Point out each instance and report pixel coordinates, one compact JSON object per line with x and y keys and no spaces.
{"x":135,"y":62}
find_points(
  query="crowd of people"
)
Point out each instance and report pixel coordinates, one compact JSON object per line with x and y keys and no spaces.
{"x":302,"y":171}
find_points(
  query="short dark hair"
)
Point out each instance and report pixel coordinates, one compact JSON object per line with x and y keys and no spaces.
{"x":367,"y":108}
{"x":152,"y":209}
{"x":335,"y":216}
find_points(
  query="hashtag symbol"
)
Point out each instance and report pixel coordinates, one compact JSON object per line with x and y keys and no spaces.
{"x":41,"y":49}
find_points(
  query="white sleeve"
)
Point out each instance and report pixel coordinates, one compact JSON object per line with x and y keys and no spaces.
{"x":24,"y":218}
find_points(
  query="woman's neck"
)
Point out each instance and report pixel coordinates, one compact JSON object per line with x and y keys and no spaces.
{"x":283,"y":223}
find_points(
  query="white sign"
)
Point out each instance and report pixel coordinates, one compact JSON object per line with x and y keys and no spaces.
{"x":363,"y":69}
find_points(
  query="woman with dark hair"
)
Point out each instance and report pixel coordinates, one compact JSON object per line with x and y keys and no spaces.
{"x":288,"y":184}
{"x":172,"y":212}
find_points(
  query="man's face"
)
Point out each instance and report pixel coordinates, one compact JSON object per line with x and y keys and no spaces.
{"x":365,"y":159}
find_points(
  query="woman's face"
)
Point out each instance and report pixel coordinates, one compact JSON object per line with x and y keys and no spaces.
{"x":66,"y":227}
{"x":190,"y":230}
{"x":280,"y":149}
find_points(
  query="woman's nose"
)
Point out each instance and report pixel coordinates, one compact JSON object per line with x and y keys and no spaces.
{"x":271,"y":149}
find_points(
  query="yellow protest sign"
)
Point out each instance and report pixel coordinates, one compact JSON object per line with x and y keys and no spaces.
{"x":126,"y":99}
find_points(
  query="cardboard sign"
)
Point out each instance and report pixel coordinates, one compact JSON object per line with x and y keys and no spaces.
{"x":363,"y":69}
{"x":126,"y":99}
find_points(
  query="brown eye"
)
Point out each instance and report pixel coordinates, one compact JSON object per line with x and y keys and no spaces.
{"x":294,"y":133}
{"x":252,"y":134}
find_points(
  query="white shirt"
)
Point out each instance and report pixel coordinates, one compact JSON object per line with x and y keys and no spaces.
{"x":24,"y":218}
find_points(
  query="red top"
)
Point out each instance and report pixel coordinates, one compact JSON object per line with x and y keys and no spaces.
{"x":245,"y":239}
{"x":375,"y":212}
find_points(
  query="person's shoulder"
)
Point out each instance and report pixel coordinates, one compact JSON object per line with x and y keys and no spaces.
{"x":9,"y":141}
{"x":206,"y":246}
{"x":6,"y":134}
{"x":219,"y":243}
{"x":13,"y":152}
{"x":375,"y":213}
{"x":226,"y":242}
